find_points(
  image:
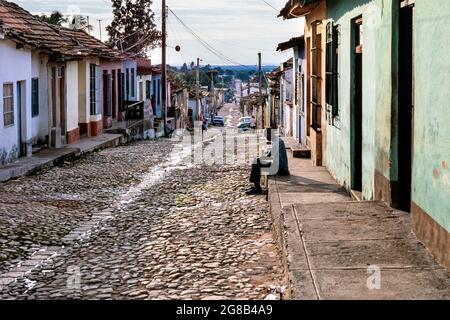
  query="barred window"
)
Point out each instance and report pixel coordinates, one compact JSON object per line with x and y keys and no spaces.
{"x":316,"y":80}
{"x":34,"y":97}
{"x":8,"y":104}
{"x":332,"y":74}
{"x":94,"y":88}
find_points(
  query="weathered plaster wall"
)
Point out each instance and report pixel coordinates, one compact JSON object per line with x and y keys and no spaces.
{"x":288,"y":110}
{"x":295,"y":109}
{"x":35,"y":62}
{"x":318,"y":142}
{"x":15,"y":65}
{"x":431,"y":183}
{"x":44,"y":97}
{"x":72,"y":95}
{"x":377,"y":92}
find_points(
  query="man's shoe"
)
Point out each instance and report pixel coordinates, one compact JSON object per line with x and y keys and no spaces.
{"x":254,"y":191}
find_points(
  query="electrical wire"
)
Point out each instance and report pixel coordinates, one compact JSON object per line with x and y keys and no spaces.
{"x":277,"y":10}
{"x":214,"y":51}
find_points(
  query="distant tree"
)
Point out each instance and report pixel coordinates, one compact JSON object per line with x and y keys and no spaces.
{"x":229,"y":72}
{"x":184,"y":68}
{"x":133,"y":28}
{"x":192,"y":65}
{"x":56,"y":18}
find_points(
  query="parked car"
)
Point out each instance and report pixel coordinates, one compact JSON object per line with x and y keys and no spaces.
{"x":219,"y":121}
{"x":244,"y":120}
{"x":244,"y":126}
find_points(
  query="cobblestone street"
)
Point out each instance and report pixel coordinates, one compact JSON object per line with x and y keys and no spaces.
{"x":130,"y":223}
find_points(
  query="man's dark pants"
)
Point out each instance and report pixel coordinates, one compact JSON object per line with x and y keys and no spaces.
{"x":255,"y":175}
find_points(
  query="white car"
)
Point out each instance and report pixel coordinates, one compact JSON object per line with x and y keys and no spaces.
{"x":244,"y":123}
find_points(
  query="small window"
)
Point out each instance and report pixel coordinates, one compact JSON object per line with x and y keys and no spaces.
{"x":8,"y":104}
{"x":35,"y":97}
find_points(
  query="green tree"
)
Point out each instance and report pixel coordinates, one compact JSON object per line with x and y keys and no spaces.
{"x":133,"y":27}
{"x":56,"y":18}
{"x":184,"y":68}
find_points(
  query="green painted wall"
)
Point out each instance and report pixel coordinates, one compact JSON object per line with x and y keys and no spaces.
{"x":431,"y":188}
{"x":377,"y":89}
{"x":431,"y":173}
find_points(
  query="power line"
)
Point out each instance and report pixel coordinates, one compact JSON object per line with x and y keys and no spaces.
{"x":203,"y":42}
{"x":277,"y":10}
{"x":214,"y":51}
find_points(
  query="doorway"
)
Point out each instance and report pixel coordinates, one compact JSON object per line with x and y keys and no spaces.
{"x":22,"y":118}
{"x":62,"y":103}
{"x":107,"y":97}
{"x":114,"y":94}
{"x":58,"y":107}
{"x":357,"y":113}
{"x":402,"y":196}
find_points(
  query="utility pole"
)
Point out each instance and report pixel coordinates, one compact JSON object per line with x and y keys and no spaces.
{"x":260,"y":88}
{"x":164,"y":65}
{"x":213,"y":96}
{"x":197,"y":91}
{"x":223,"y":92}
{"x":100,"y":28}
{"x":88,"y":23}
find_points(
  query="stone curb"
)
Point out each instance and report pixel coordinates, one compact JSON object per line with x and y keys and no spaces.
{"x":72,"y":153}
{"x":277,"y":216}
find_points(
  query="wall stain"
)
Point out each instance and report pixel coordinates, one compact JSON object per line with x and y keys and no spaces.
{"x":445,"y":165}
{"x":436,"y":173}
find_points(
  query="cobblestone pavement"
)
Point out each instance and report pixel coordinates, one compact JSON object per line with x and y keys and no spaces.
{"x":129,"y":223}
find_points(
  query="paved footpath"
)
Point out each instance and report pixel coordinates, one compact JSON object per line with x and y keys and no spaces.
{"x":336,"y":248}
{"x":132,"y":223}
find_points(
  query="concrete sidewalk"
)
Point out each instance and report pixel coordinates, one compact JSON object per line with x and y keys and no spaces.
{"x":336,"y":248}
{"x":48,"y":158}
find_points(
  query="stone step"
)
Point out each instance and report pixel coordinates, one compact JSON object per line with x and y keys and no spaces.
{"x":301,"y":152}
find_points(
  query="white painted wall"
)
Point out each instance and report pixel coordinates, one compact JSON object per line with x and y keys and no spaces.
{"x":44,"y":97}
{"x":295,"y":110}
{"x":15,"y":65}
{"x":40,"y":124}
{"x":72,"y":95}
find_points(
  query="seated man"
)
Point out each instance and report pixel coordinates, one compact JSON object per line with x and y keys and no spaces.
{"x":169,"y":129}
{"x":277,"y":164}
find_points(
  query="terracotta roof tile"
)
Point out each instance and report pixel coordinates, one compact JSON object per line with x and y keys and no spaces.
{"x":21,"y":26}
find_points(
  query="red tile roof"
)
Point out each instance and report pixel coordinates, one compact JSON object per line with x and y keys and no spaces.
{"x":22,"y":27}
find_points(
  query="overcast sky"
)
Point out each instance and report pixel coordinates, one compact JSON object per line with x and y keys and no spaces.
{"x":236,"y":28}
